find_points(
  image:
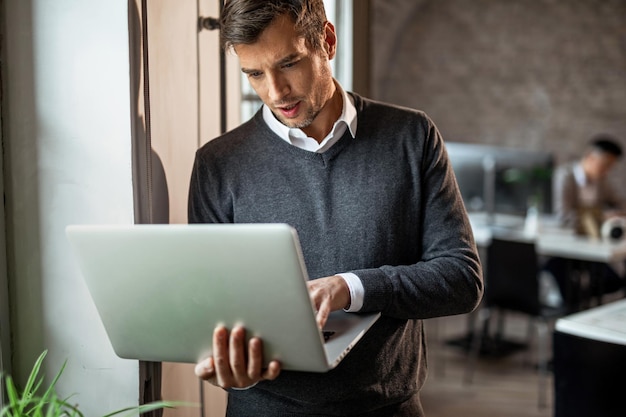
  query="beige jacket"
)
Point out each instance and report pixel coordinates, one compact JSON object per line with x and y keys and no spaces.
{"x":569,"y":197}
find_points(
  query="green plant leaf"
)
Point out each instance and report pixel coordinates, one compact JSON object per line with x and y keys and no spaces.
{"x":12,"y":392}
{"x":29,"y":404}
{"x":50,"y":389}
{"x":145,"y":408}
{"x":30,"y":383}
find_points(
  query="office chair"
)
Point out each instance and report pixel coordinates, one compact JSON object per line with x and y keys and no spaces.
{"x":512,"y":284}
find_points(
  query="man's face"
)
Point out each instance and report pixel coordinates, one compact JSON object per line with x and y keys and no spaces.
{"x":598,"y":164}
{"x":291,"y":78}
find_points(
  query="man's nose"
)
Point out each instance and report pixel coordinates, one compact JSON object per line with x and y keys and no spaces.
{"x":278,"y":88}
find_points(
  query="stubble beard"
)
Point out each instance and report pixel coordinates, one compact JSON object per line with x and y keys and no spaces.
{"x":309,"y":117}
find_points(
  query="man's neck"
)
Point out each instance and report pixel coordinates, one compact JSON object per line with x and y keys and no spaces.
{"x":325,"y":120}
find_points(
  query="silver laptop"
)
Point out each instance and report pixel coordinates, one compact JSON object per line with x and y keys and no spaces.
{"x":160,"y":290}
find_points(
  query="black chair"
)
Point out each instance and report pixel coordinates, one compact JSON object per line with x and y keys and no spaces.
{"x":512,"y":284}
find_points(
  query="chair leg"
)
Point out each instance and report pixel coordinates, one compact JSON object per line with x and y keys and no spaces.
{"x":499,"y":334}
{"x":542,"y":357}
{"x":530,"y":334}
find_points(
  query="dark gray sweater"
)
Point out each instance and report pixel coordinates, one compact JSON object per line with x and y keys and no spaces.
{"x":383,"y":205}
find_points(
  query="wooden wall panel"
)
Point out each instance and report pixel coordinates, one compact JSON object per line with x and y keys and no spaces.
{"x":184,"y":81}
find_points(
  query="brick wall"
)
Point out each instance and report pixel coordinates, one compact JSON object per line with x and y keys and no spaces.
{"x":533,"y":74}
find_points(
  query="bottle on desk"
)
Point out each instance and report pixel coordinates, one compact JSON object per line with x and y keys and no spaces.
{"x":531,"y":223}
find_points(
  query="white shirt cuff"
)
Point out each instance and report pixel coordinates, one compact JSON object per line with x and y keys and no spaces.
{"x":357,"y":292}
{"x":245,"y":388}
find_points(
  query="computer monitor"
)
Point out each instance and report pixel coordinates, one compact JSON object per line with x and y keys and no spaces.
{"x":500,"y":179}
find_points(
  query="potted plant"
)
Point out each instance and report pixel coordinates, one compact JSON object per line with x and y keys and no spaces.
{"x":32,"y":402}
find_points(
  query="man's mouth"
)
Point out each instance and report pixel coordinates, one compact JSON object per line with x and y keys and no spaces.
{"x":290,"y":110}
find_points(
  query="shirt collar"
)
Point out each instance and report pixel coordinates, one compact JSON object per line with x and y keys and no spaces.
{"x":346,"y":121}
{"x":579,"y":175}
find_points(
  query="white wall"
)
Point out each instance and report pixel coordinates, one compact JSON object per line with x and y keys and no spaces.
{"x":67,"y":160}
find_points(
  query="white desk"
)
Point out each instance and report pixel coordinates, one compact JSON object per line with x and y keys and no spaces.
{"x":580,"y":247}
{"x":606,"y":323}
{"x":550,"y":240}
{"x":590,"y":362}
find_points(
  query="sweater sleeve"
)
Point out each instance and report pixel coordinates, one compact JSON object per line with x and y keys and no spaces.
{"x":448,"y":278}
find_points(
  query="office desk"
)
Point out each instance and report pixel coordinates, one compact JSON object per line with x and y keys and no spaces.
{"x":553,"y":241}
{"x":590,"y":362}
{"x":550,"y":240}
{"x":566,"y":244}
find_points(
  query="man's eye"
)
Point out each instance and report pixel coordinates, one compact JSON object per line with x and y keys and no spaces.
{"x":255,"y":74}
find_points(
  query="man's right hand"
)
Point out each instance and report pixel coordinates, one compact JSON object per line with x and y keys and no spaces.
{"x":233,"y":364}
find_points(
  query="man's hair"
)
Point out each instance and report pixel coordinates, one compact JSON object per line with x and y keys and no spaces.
{"x":606,"y":144}
{"x":243,"y":21}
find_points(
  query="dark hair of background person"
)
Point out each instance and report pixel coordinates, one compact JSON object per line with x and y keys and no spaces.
{"x":606,"y":143}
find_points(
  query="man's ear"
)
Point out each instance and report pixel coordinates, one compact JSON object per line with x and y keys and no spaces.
{"x":330,"y":40}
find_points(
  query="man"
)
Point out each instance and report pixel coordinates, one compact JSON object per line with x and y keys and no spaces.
{"x":583,"y":184}
{"x":372,"y":195}
{"x":583,"y":198}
